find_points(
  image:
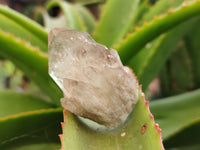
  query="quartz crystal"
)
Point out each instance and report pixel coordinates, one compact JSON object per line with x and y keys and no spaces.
{"x":95,"y":83}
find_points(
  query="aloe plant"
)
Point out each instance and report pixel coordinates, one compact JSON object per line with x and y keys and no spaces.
{"x":156,"y":40}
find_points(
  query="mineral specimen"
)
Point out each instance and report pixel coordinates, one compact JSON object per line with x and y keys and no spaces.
{"x":95,"y":83}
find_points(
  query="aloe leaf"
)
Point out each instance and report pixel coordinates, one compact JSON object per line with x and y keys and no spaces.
{"x":115,"y":21}
{"x":12,"y":103}
{"x":54,"y":22}
{"x":188,"y":135}
{"x":24,"y":124}
{"x":192,"y":147}
{"x":140,"y":132}
{"x":72,"y":17}
{"x":142,"y":10}
{"x":173,"y":113}
{"x":27,"y":23}
{"x":193,"y":45}
{"x":33,"y":145}
{"x":9,"y":25}
{"x":31,"y":61}
{"x":27,"y":122}
{"x":179,"y":69}
{"x":149,"y":61}
{"x":136,"y":41}
{"x":44,"y":137}
{"x":161,"y":7}
{"x":21,"y":114}
{"x":89,"y":2}
{"x":87,"y":18}
{"x":37,"y":15}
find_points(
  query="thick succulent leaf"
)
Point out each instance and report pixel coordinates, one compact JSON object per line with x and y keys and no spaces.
{"x":178,"y":69}
{"x":149,"y":61}
{"x":22,"y":114}
{"x":188,"y":135}
{"x":25,"y":123}
{"x":72,"y":16}
{"x":140,"y":132}
{"x":44,"y":137}
{"x":175,"y":113}
{"x":193,"y":44}
{"x":89,"y":2}
{"x":115,"y":21}
{"x":161,"y":7}
{"x":87,"y":18}
{"x":12,"y":103}
{"x":31,"y":61}
{"x":134,"y":42}
{"x":37,"y":15}
{"x":7,"y":69}
{"x":33,"y":146}
{"x":18,"y":30}
{"x":192,"y":147}
{"x":54,"y":22}
{"x":142,"y":10}
{"x":14,"y":22}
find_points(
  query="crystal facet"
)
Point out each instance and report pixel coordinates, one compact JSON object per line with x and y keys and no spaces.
{"x":95,"y":83}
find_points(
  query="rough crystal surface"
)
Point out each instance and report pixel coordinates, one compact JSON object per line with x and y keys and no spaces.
{"x":95,"y":83}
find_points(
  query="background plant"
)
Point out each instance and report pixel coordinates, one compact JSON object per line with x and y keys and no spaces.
{"x":157,"y":39}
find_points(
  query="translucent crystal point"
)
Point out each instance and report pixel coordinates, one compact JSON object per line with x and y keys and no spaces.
{"x":95,"y":83}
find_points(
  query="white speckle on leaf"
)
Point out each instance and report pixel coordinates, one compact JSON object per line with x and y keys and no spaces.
{"x":123,"y":134}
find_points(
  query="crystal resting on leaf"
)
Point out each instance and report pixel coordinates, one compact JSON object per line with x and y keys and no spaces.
{"x":95,"y":83}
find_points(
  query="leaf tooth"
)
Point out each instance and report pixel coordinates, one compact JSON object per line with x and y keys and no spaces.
{"x":60,"y":137}
{"x":62,"y":126}
{"x":137,"y":28}
{"x":124,"y":39}
{"x":171,"y":10}
{"x":127,"y":35}
{"x":184,"y":4}
{"x":155,"y":17}
{"x":145,"y":23}
{"x":19,"y":40}
{"x":25,"y":43}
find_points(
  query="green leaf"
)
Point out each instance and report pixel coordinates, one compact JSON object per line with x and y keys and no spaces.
{"x":89,"y":2}
{"x":161,"y":7}
{"x":27,"y":23}
{"x":72,"y":17}
{"x":188,"y":135}
{"x":12,"y":103}
{"x":16,"y":28}
{"x":193,"y":147}
{"x":193,"y":45}
{"x":31,"y":61}
{"x":54,"y":22}
{"x":134,"y":42}
{"x":27,"y":123}
{"x":173,"y":113}
{"x":87,"y":18}
{"x":149,"y":61}
{"x":142,"y":10}
{"x":140,"y":132}
{"x":22,"y":115}
{"x":115,"y":21}
{"x":33,"y":145}
{"x":7,"y":69}
{"x":179,"y":69}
